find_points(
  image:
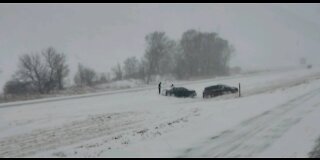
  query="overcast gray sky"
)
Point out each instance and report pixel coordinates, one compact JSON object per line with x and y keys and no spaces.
{"x":101,"y":35}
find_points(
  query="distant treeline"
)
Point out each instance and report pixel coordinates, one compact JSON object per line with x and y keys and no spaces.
{"x":195,"y":54}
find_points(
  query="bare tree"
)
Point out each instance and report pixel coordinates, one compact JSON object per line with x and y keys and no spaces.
{"x":17,"y":87}
{"x":142,"y":69}
{"x":58,"y":69}
{"x":85,"y":76}
{"x":167,"y":62}
{"x":131,"y":67}
{"x":103,"y":78}
{"x":180,"y":68}
{"x":189,"y":44}
{"x":117,"y":71}
{"x":205,"y":53}
{"x":42,"y":72}
{"x":78,"y":78}
{"x":158,"y":46}
{"x":32,"y":69}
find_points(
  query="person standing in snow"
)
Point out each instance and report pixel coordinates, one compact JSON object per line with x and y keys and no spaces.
{"x":172,"y":86}
{"x":159,"y":86}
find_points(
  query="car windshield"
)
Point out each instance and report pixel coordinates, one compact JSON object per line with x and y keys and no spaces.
{"x":180,"y":89}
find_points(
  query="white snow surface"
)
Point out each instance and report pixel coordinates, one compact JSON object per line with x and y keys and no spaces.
{"x":276,"y":116}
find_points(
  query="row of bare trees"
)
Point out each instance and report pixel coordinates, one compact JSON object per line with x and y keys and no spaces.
{"x":39,"y":73}
{"x":44,"y":72}
{"x":86,"y":76}
{"x":195,"y":54}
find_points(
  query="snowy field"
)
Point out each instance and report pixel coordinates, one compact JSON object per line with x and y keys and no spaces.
{"x":277,"y":116}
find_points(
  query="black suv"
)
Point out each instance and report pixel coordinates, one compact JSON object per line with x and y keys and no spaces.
{"x":217,"y":90}
{"x":181,"y":92}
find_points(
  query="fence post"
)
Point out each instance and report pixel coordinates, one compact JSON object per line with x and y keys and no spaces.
{"x":239,"y":90}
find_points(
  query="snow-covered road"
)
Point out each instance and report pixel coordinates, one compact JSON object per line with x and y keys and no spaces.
{"x":254,"y":135}
{"x":275,"y":108}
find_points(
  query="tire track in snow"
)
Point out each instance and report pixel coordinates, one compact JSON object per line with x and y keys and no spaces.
{"x":255,"y":134}
{"x":90,"y":128}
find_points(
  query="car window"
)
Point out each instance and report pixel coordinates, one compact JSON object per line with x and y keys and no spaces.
{"x":183,"y":89}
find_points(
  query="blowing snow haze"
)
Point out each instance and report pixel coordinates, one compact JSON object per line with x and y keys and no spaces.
{"x":158,"y":80}
{"x":102,"y":35}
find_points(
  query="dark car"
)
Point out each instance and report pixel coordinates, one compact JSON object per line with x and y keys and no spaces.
{"x":180,"y":92}
{"x":218,"y":90}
